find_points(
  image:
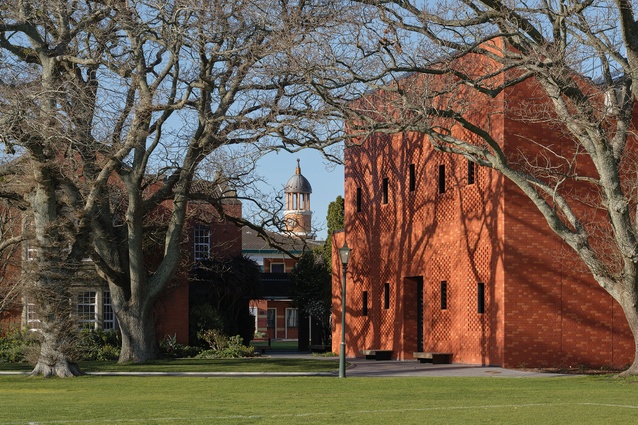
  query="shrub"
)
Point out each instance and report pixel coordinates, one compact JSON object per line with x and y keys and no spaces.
{"x":98,"y":345}
{"x":203,"y":316}
{"x":215,"y":339}
{"x":16,"y":345}
{"x":169,"y":347}
{"x":228,"y":348}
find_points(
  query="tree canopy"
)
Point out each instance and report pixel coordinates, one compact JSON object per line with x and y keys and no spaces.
{"x":110,"y":111}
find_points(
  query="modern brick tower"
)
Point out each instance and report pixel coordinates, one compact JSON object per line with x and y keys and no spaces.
{"x":450,"y":257}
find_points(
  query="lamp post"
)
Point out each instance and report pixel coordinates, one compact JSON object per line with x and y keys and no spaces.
{"x":344,"y":253}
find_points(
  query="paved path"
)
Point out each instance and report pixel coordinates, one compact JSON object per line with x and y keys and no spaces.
{"x":390,"y":368}
{"x":371,"y":368}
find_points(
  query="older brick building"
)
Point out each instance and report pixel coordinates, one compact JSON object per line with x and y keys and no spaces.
{"x":206,"y":235}
{"x":451,"y":257}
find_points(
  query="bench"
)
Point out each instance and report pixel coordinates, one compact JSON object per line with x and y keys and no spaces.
{"x":262,"y":344}
{"x":434,"y":358}
{"x":377,"y":354}
{"x":320,"y":348}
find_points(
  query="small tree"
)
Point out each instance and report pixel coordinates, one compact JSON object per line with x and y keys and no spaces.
{"x":223,"y":289}
{"x":312,"y":290}
{"x":335,"y":222}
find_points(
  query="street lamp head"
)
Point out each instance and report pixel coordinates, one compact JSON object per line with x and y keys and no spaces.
{"x":344,"y":253}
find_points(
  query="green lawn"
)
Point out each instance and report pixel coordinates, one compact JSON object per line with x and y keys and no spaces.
{"x":318,"y":400}
{"x":252,"y":364}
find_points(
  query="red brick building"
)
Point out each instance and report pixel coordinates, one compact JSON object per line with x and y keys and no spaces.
{"x":276,"y":315}
{"x":205,"y":235}
{"x":450,"y":257}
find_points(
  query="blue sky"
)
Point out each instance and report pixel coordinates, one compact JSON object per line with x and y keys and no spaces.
{"x":326,"y":180}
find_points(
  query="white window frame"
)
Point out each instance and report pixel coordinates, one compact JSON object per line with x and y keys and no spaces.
{"x":254,"y":311}
{"x":272,"y":312}
{"x":33,"y":321}
{"x":292,"y":319}
{"x":109,"y":322}
{"x":201,"y":242}
{"x":86,"y":308}
{"x":31,"y":253}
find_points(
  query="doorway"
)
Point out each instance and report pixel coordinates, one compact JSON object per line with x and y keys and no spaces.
{"x":413,"y":310}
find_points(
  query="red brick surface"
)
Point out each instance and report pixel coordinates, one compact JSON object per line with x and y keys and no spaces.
{"x":541,"y":307}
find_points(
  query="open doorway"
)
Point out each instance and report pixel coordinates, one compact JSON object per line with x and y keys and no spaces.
{"x":413,"y":310}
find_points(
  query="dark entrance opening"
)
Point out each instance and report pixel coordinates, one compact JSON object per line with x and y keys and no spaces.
{"x":413,"y":310}
{"x":419,"y":313}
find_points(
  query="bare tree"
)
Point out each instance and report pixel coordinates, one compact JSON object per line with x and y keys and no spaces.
{"x":114,"y":105}
{"x":421,"y":66}
{"x":10,"y":239}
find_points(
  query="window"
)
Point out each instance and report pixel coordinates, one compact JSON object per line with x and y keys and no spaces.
{"x":201,"y":249}
{"x":386,"y":296}
{"x":32,"y":253}
{"x":87,"y":309}
{"x":271,"y":318}
{"x":108,"y":316}
{"x":412,"y":178}
{"x":386,"y":184}
{"x":443,"y":295}
{"x":254,"y":311}
{"x":277,"y":268}
{"x":442,"y":178}
{"x":471,"y":172}
{"x":33,"y":320}
{"x":481,"y":298}
{"x":358,"y":199}
{"x":292,"y":319}
{"x":364,"y":302}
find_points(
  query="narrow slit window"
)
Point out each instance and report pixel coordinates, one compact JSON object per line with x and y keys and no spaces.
{"x":386,"y":184}
{"x":412,"y":178}
{"x":471,"y":172}
{"x":481,"y":298}
{"x":386,"y":296}
{"x":443,"y":295}
{"x":364,"y":302}
{"x":358,"y":199}
{"x":442,"y":178}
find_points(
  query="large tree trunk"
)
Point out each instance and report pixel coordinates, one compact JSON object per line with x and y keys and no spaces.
{"x":629,"y":304}
{"x":58,"y":330}
{"x":51,"y":275}
{"x":53,"y":359}
{"x":139,"y":342}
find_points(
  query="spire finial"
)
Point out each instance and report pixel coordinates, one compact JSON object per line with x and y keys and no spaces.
{"x":298,"y":170}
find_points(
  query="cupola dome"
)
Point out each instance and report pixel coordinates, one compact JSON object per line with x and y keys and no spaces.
{"x":298,"y":183}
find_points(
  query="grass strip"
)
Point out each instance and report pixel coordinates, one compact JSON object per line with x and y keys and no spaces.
{"x":317,"y":400}
{"x":252,"y":364}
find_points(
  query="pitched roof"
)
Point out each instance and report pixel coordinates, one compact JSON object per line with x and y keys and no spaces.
{"x":252,"y":242}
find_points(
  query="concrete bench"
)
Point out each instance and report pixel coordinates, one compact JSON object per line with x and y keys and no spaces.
{"x":262,"y":344}
{"x":434,"y":358}
{"x":377,"y":354}
{"x":320,"y":348}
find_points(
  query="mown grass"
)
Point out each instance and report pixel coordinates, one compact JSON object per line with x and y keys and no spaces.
{"x":318,"y":400}
{"x":251,"y":364}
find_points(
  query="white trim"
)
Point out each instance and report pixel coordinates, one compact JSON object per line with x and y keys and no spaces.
{"x":295,"y":317}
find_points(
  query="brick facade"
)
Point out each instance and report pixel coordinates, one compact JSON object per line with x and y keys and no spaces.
{"x":172,"y":308}
{"x":422,"y":255}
